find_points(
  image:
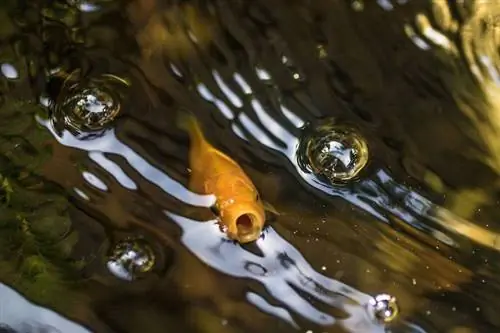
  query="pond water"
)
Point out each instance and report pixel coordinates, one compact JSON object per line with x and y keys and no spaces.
{"x":369,"y":128}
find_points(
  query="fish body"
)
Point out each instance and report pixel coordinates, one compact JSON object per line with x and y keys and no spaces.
{"x":238,"y":204}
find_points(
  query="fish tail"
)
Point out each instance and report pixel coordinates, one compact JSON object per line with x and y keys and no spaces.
{"x":188,"y":122}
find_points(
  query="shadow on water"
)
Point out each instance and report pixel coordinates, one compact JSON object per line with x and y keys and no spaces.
{"x":371,"y":127}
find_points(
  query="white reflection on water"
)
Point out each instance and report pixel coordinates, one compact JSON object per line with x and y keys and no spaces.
{"x":94,"y":181}
{"x":264,"y":306}
{"x":21,"y":315}
{"x":109,"y":143}
{"x":282,"y":265}
{"x":281,"y":269}
{"x":368,"y":194}
{"x":379,"y":194}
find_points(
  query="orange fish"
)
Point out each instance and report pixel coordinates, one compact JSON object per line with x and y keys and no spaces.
{"x":238,"y":205}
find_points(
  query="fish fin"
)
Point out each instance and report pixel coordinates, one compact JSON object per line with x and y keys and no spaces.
{"x":271,"y":212}
{"x":270,"y":208}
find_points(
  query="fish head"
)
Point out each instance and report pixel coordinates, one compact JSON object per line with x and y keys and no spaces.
{"x":244,"y":220}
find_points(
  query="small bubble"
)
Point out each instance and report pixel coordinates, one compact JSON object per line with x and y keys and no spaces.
{"x":338,"y":153}
{"x":129,"y":258}
{"x":384,"y":307}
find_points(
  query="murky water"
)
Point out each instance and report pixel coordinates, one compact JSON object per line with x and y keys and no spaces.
{"x":371,"y":127}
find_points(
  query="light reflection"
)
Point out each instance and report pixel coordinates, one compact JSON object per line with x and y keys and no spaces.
{"x":292,"y":117}
{"x":88,"y":7}
{"x":19,"y":313}
{"x":490,"y":67}
{"x":264,"y":306}
{"x":262,"y":74}
{"x":81,"y":194}
{"x":222,"y":107}
{"x":114,"y":169}
{"x":272,"y":125}
{"x":283,"y":267}
{"x":242,"y":83}
{"x":237,"y":130}
{"x":9,"y":71}
{"x":209,"y":97}
{"x":256,"y":132}
{"x":378,"y":195}
{"x":176,"y":70}
{"x":432,"y":34}
{"x":385,"y":5}
{"x":109,"y":143}
{"x":227,"y":91}
{"x":94,"y":181}
{"x":419,"y":42}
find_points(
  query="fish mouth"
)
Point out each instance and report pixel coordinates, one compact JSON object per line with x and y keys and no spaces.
{"x":247,"y":228}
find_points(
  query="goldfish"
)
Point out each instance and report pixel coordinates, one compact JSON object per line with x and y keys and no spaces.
{"x":238,"y":205}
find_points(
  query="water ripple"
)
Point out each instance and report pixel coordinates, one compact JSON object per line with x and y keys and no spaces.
{"x":109,"y":143}
{"x":282,"y":266}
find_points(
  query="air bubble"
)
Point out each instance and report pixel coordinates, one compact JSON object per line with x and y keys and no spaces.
{"x":383,"y":308}
{"x":89,"y":104}
{"x":131,"y":258}
{"x":335,"y":152}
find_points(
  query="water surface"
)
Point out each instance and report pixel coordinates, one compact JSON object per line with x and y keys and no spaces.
{"x":101,"y":233}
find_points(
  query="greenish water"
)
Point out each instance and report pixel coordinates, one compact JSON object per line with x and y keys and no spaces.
{"x":371,"y":128}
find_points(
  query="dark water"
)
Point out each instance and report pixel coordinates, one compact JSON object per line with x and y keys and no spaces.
{"x":371,"y":127}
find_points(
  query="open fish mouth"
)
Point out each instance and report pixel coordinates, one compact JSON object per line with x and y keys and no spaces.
{"x":247,"y":228}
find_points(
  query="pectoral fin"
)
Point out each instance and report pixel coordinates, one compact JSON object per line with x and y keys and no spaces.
{"x":271,"y":212}
{"x":270,"y":208}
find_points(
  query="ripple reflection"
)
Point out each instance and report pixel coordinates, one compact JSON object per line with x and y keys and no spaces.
{"x":109,"y":143}
{"x":18,"y":313}
{"x":283,"y":266}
